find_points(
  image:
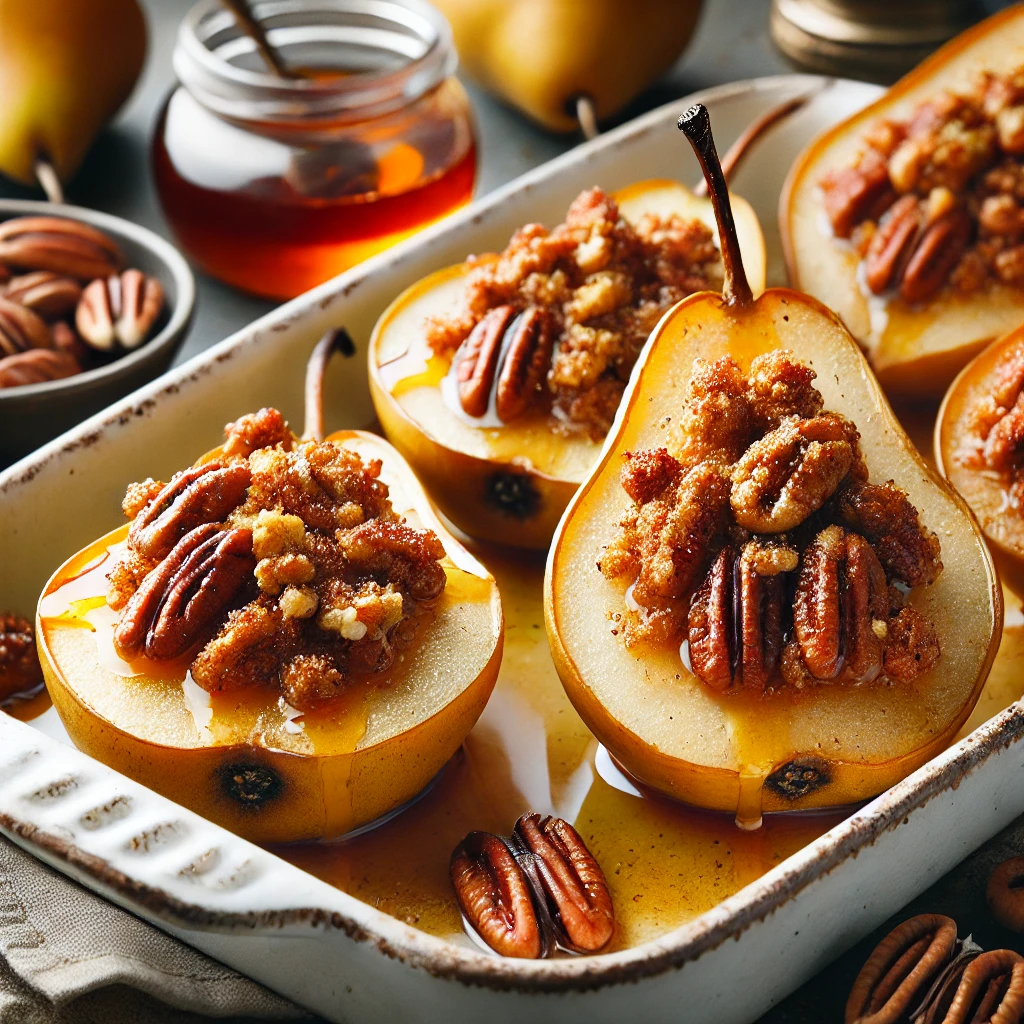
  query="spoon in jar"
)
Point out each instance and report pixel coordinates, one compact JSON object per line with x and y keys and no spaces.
{"x":248,"y":23}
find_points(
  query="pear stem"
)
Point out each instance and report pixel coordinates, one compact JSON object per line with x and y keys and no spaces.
{"x":333,"y":341}
{"x":586,"y":114}
{"x":48,"y":180}
{"x":695,"y":124}
{"x":248,"y":23}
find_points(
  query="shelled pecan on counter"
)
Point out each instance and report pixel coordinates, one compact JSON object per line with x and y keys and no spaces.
{"x":280,"y":563}
{"x":937,"y":199}
{"x":922,"y":973}
{"x":760,"y":540}
{"x":66,"y":304}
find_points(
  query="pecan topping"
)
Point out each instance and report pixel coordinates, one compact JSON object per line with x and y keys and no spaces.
{"x":36,"y":366}
{"x":49,"y":295}
{"x":119,"y":309}
{"x":578,"y":900}
{"x":20,"y":329}
{"x":495,"y":896}
{"x":739,"y":500}
{"x":537,"y":889}
{"x":852,"y":194}
{"x":476,"y":361}
{"x":791,"y":472}
{"x":60,"y":245}
{"x":529,"y":341}
{"x":19,"y":663}
{"x":202,"y":494}
{"x":841,"y":608}
{"x":736,"y":617}
{"x":187,"y":593}
{"x":921,"y":972}
{"x":908,"y":551}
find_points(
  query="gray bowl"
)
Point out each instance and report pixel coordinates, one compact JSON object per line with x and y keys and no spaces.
{"x":33,"y":414}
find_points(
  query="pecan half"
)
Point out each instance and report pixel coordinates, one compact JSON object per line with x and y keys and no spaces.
{"x":884,"y":514}
{"x":202,"y":494}
{"x":49,"y":295}
{"x":941,"y":245}
{"x":36,"y":366}
{"x":119,"y":309}
{"x":791,"y":472}
{"x":20,"y":328}
{"x":528,"y":343}
{"x":495,"y":896}
{"x":900,"y":970}
{"x":990,"y":990}
{"x":570,"y":880}
{"x":735,"y":625}
{"x":19,"y":663}
{"x":840,"y":611}
{"x":476,"y":361}
{"x":58,"y":244}
{"x":539,"y":888}
{"x":892,"y":244}
{"x":852,"y":194}
{"x":186,"y":594}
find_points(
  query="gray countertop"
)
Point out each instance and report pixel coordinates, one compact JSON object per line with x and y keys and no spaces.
{"x":731,"y":43}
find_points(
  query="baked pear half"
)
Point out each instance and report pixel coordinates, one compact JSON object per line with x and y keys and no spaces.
{"x":761,"y":598}
{"x":905,"y":218}
{"x":977,"y":448}
{"x":286,"y":678}
{"x":497,"y":379}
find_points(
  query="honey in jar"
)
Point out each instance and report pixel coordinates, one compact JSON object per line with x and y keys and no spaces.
{"x":276,"y":184}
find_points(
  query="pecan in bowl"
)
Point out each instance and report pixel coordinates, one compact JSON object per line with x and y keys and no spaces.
{"x":761,"y":544}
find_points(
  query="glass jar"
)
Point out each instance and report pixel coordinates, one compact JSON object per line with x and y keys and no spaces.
{"x":276,"y":184}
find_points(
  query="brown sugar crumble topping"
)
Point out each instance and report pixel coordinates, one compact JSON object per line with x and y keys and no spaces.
{"x":557,"y":320}
{"x":995,"y":428}
{"x":937,"y":200}
{"x":281,"y":563}
{"x":759,"y":539}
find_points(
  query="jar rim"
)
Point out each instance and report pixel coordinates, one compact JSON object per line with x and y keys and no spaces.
{"x":244,"y":94}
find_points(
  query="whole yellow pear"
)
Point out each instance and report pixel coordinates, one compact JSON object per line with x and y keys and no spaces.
{"x":540,"y":55}
{"x":65,"y":68}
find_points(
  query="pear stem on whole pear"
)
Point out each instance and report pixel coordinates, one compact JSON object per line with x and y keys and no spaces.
{"x":695,"y":124}
{"x":586,"y":114}
{"x":254,"y":30}
{"x":338,"y":340}
{"x":46,"y":175}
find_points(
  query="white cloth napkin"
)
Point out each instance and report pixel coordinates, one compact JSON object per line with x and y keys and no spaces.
{"x":69,"y":957}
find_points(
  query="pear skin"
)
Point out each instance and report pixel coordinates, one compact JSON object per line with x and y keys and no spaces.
{"x":539,"y":55}
{"x":65,"y":69}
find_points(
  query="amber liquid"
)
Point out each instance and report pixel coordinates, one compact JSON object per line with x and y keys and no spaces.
{"x":665,"y":863}
{"x":270,"y":238}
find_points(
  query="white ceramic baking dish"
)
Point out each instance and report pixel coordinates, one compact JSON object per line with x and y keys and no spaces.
{"x":308,"y":940}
